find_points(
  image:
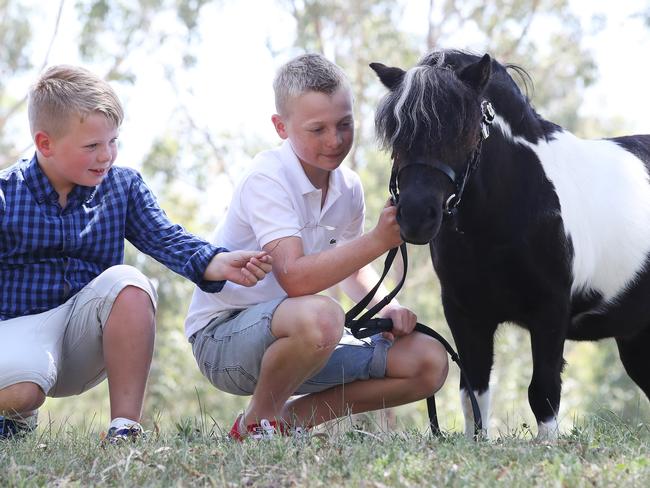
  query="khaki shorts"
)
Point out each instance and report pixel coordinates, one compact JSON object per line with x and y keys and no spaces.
{"x":61,"y":350}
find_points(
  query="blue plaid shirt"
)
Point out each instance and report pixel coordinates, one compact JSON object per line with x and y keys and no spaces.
{"x":47,"y":254}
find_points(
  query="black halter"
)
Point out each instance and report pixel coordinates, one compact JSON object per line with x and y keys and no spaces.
{"x":487,"y":117}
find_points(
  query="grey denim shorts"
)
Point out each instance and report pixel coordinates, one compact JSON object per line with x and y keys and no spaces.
{"x":229,"y":353}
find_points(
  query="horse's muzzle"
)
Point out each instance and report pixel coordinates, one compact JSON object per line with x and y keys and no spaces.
{"x":418,"y":226}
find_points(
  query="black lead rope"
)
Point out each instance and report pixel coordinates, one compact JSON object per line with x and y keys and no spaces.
{"x":366,"y":326}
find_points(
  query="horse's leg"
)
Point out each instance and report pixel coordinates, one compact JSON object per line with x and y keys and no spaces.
{"x":546,"y":384}
{"x":634,"y":355}
{"x":475,"y":344}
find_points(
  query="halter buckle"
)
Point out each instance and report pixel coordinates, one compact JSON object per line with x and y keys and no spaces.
{"x":487,"y":118}
{"x":451,"y":203}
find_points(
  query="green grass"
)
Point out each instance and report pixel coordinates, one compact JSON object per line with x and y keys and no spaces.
{"x":595,"y":452}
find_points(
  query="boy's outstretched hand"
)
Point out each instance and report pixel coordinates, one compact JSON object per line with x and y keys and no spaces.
{"x":245,"y":268}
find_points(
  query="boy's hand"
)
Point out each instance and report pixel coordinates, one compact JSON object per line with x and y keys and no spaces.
{"x":403,"y":320}
{"x":245,"y":268}
{"x":387,"y":228}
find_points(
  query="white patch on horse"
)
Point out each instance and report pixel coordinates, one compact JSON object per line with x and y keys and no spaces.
{"x":483,"y":401}
{"x":548,"y":431}
{"x":604,"y":194}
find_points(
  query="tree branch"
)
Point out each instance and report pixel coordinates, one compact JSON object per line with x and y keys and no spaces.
{"x":18,"y":105}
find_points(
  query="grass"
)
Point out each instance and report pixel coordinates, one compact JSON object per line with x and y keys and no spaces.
{"x":600,"y":451}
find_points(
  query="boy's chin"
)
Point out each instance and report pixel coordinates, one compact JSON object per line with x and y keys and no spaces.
{"x":331,"y":162}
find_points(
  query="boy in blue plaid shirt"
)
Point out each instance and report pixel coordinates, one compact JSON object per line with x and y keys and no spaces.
{"x":71,"y":314}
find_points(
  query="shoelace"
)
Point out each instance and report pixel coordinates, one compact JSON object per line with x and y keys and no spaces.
{"x":265,"y":430}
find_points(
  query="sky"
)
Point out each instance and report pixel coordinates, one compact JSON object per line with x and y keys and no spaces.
{"x":231,"y":87}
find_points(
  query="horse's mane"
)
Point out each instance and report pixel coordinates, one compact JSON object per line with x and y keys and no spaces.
{"x":431,"y":93}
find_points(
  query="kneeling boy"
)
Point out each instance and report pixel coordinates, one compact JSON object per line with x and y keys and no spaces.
{"x":281,"y":338}
{"x":70,"y":312}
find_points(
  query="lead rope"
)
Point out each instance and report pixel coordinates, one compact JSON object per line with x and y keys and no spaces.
{"x":366,"y":326}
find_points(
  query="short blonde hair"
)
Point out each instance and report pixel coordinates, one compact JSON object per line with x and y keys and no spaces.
{"x":65,"y":91}
{"x":305,"y":73}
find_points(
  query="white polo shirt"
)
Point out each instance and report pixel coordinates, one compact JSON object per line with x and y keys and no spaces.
{"x":276,"y":199}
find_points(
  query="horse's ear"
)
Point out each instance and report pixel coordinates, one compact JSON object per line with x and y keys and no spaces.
{"x":477,"y":74}
{"x":390,"y":77}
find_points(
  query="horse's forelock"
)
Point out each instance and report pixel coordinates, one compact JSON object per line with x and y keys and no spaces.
{"x":415,"y":107}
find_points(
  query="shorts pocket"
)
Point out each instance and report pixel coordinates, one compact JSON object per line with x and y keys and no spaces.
{"x":231,"y":379}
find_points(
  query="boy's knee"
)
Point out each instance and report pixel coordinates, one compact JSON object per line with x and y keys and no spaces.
{"x":321,"y":325}
{"x":20,"y":398}
{"x":133,"y":296}
{"x":133,"y":278}
{"x":433,"y":365}
{"x":133,"y":309}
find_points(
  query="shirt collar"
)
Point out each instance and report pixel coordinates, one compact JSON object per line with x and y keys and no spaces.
{"x":38,"y":183}
{"x":43,"y":190}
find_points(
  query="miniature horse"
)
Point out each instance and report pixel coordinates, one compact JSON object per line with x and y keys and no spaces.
{"x":552,"y":234}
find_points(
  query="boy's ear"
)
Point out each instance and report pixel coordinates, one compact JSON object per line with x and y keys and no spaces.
{"x":43,"y":143}
{"x":280,"y":126}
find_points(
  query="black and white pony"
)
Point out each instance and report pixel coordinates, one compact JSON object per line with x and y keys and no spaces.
{"x":552,"y":232}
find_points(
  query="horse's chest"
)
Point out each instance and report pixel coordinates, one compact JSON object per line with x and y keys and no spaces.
{"x":510,"y":279}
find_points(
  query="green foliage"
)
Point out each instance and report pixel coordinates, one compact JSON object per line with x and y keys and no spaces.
{"x":15,"y":36}
{"x":112,"y":30}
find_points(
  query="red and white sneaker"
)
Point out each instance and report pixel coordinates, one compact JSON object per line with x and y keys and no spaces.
{"x":265,"y":430}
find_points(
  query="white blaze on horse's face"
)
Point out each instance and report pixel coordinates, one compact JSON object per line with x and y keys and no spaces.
{"x":604,"y":196}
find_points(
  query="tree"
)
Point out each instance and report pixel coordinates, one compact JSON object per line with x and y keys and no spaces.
{"x":15,"y":37}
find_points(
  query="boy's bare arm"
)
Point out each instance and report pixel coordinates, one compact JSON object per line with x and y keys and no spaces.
{"x":301,"y":275}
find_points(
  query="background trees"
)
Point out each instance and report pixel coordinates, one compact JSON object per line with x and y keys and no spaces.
{"x":191,"y":130}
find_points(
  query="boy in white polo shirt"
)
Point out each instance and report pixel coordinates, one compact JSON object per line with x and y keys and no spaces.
{"x":281,"y":338}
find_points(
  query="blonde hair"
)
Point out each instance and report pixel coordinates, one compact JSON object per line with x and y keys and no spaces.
{"x":65,"y":91}
{"x":304,"y":73}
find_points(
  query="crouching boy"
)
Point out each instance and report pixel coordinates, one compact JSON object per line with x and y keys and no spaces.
{"x":281,"y":338}
{"x":71,"y":314}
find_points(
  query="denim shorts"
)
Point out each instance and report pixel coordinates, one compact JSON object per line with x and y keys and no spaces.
{"x":229,"y":353}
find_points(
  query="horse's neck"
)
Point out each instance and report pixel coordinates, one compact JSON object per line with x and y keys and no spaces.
{"x":510,"y":176}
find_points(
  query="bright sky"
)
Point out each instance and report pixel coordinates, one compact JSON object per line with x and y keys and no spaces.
{"x":231,"y":89}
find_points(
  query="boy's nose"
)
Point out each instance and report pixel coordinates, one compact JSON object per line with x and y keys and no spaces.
{"x":104,"y":155}
{"x":335,"y":138}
